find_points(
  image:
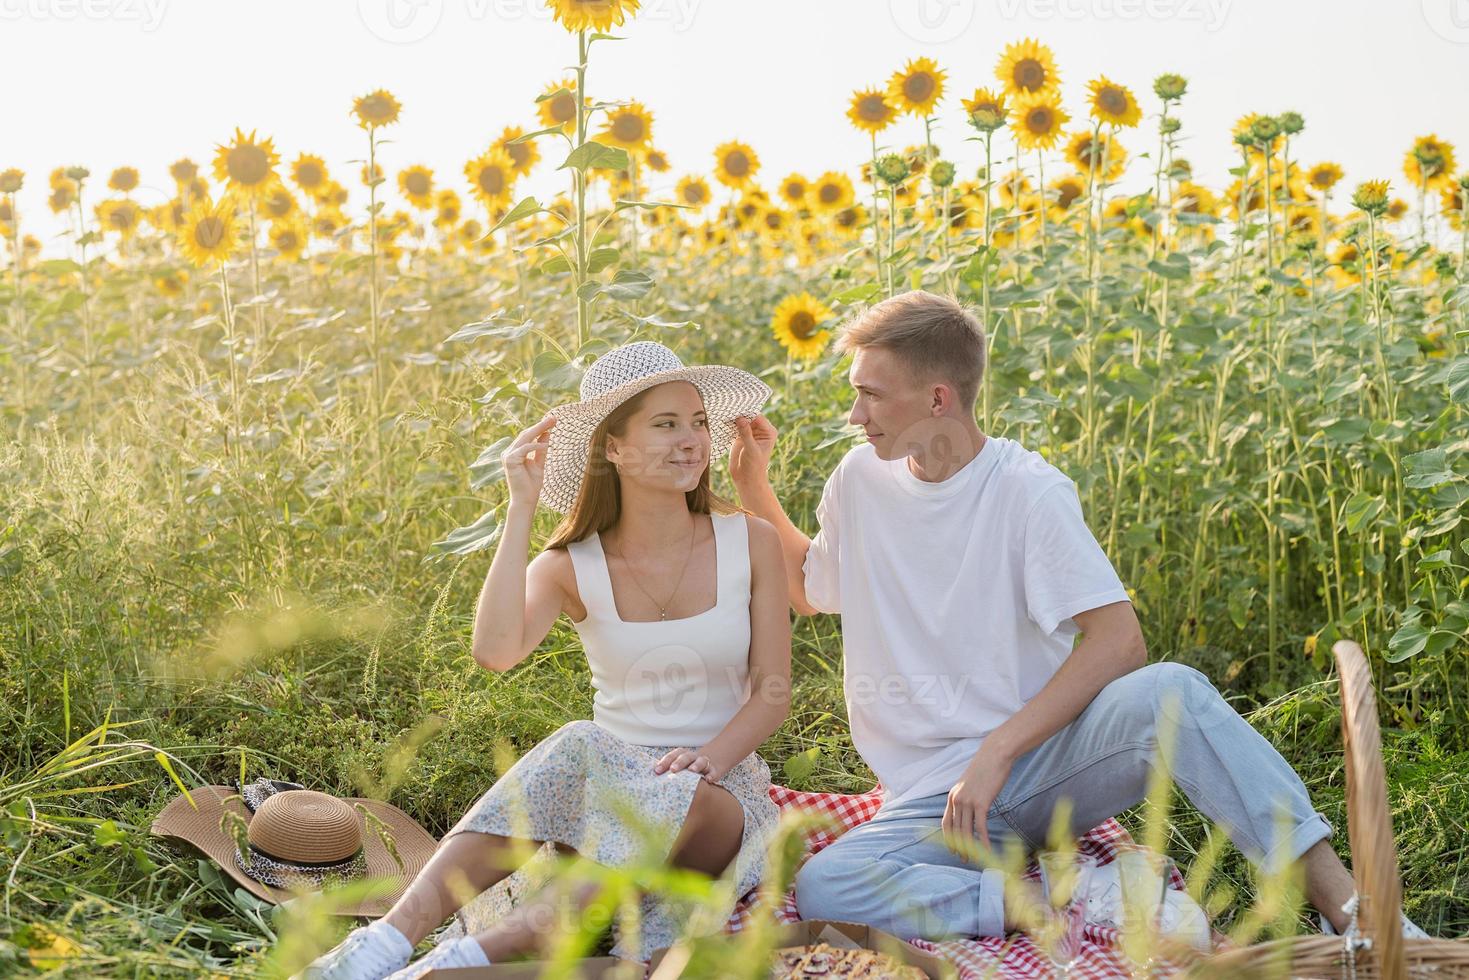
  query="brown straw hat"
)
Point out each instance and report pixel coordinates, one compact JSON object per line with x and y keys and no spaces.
{"x":298,"y":840}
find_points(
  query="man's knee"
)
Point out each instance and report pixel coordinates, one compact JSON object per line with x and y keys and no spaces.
{"x":823,"y":886}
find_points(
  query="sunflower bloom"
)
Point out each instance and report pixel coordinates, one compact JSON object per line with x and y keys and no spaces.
{"x":210,"y":232}
{"x":121,"y":215}
{"x":735,"y":164}
{"x":693,"y":191}
{"x":1038,"y":122}
{"x":1113,"y":104}
{"x":629,"y":126}
{"x":831,"y":193}
{"x":1084,"y":150}
{"x":377,"y":108}
{"x":417,"y":185}
{"x":917,"y":88}
{"x":986,"y":110}
{"x":870,"y":110}
{"x":123,"y":179}
{"x":797,"y":325}
{"x":308,"y":172}
{"x":288,"y":238}
{"x":596,"y":15}
{"x":557,"y":105}
{"x":794,"y":190}
{"x":1430,"y":163}
{"x":1027,"y":68}
{"x":491,"y":177}
{"x":1324,"y":176}
{"x":1371,"y":197}
{"x":246,"y":166}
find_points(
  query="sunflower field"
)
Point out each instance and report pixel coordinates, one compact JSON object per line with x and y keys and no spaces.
{"x":249,"y":480}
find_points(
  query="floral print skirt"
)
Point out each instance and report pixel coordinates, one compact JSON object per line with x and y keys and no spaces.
{"x":585,"y":787}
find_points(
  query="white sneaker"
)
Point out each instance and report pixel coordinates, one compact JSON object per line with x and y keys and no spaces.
{"x":369,"y":952}
{"x":457,"y":953}
{"x":1181,"y":917}
{"x":1411,"y":930}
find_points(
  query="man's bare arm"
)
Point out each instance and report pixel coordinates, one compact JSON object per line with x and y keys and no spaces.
{"x":749,"y":462}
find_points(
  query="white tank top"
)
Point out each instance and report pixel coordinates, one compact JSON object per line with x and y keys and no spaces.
{"x":670,"y":681}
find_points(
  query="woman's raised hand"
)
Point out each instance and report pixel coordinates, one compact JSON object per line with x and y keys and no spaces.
{"x":525,"y":462}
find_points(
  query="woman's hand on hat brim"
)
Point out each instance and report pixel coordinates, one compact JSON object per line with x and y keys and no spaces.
{"x":525,"y":461}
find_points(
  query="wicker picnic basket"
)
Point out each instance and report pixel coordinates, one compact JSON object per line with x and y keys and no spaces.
{"x":1380,"y":950}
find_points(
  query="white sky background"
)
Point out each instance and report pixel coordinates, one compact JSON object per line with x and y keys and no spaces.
{"x":142,"y":82}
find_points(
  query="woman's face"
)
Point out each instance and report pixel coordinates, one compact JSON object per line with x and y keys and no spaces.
{"x":664,"y":445}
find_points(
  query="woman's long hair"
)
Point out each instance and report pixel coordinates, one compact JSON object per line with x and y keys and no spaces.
{"x":599,"y":502}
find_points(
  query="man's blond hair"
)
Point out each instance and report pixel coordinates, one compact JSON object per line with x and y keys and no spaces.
{"x":933,"y":336}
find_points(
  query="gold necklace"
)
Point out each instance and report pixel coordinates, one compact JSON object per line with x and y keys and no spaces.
{"x":663,"y":606}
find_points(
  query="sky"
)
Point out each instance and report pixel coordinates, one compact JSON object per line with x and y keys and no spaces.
{"x":106,"y":83}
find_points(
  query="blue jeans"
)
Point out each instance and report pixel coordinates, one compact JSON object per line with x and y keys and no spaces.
{"x":895,"y":872}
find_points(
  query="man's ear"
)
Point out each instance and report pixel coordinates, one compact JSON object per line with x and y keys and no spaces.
{"x":943,"y":399}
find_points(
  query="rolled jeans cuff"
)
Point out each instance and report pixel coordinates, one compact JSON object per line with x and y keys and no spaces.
{"x":989,"y":903}
{"x":1298,"y":842}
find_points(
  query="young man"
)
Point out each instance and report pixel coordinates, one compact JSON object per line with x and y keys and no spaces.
{"x":963,"y":569}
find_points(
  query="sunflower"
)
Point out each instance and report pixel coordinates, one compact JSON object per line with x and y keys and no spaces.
{"x":1068,"y":190}
{"x":831,"y":193}
{"x":797,"y":325}
{"x":1113,"y":104}
{"x":986,"y":110}
{"x":491,"y":177}
{"x":447,"y":208}
{"x":121,"y":215}
{"x":850,"y":221}
{"x":557,"y":105}
{"x":210,"y":232}
{"x":1397,"y":208}
{"x":277,"y":203}
{"x":1371,"y":197}
{"x":327,"y":222}
{"x":917,"y":88}
{"x":1430,"y":163}
{"x":123,"y":179}
{"x":308,"y":172}
{"x":597,"y":15}
{"x":1244,"y":128}
{"x":693,"y":191}
{"x":288,"y":238}
{"x":1323,"y":176}
{"x":1038,"y":121}
{"x":183,"y":170}
{"x":794,"y":190}
{"x":1453,"y":202}
{"x":172,"y":282}
{"x":1084,"y":149}
{"x":735,"y":164}
{"x":377,"y":108}
{"x":871,"y":111}
{"x":417,"y":185}
{"x":334,"y":195}
{"x":524,"y":155}
{"x":169,"y":216}
{"x":246,"y":166}
{"x":773,"y":224}
{"x":1028,"y":68}
{"x":1194,"y":198}
{"x":629,"y":126}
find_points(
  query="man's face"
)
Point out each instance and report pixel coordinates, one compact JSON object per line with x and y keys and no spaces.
{"x":896,"y":411}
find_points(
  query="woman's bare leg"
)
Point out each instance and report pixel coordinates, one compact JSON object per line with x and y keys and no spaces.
{"x":708,"y":841}
{"x":463,"y":866}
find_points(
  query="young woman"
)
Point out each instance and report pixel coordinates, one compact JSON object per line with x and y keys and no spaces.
{"x":680,"y":602}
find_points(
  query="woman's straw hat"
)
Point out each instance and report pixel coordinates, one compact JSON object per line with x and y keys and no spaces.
{"x":300,"y":840}
{"x":616,"y":376}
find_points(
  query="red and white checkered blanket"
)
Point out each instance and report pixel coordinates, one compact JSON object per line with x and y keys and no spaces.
{"x":1011,"y":957}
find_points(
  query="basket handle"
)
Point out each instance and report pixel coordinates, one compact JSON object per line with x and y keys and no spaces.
{"x":1369,"y":824}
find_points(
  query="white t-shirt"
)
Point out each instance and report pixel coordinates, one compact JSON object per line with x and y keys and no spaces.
{"x":955,"y":600}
